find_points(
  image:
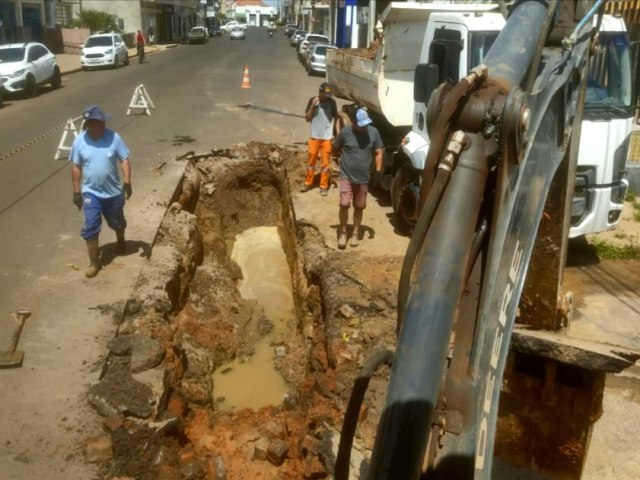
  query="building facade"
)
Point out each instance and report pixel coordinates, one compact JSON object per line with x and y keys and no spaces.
{"x":22,"y":20}
{"x":255,"y":12}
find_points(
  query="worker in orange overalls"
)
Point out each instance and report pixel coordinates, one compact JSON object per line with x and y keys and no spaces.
{"x":322,"y":113}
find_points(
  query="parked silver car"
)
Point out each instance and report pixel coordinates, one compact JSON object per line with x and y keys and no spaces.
{"x":317,"y":58}
{"x":104,"y":50}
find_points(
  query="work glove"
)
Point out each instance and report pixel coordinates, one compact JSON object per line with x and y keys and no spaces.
{"x":127,"y":190}
{"x":77,"y":199}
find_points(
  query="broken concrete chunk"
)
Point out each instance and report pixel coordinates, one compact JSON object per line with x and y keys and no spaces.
{"x":277,"y":452}
{"x":345,"y":311}
{"x":311,"y":444}
{"x":281,"y":351}
{"x":120,"y":345}
{"x":215,"y":468}
{"x":98,"y":449}
{"x":113,"y":423}
{"x":146,"y":353}
{"x":273,"y":429}
{"x":313,"y":467}
{"x":119,"y":394}
{"x":260,"y":449}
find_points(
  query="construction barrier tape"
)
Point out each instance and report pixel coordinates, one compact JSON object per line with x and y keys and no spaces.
{"x":35,"y":140}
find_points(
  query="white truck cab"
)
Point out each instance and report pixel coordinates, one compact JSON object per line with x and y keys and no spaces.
{"x":601,"y":185}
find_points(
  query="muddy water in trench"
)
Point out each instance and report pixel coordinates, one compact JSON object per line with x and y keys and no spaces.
{"x":254,"y":382}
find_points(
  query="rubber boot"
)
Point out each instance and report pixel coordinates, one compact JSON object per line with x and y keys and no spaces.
{"x":94,"y":258}
{"x":120,"y":247}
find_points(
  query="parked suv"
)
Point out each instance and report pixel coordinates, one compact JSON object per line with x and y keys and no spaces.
{"x":104,"y":50}
{"x":25,"y":66}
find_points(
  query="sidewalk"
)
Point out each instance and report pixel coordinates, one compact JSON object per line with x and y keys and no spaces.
{"x":70,"y":62}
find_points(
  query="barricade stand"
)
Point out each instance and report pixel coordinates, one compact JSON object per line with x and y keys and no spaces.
{"x":141,"y":100}
{"x":70,"y":127}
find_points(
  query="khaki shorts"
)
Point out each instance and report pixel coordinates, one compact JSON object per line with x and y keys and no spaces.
{"x":352,"y":192}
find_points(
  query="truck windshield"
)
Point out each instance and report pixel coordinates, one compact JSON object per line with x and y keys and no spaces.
{"x":479,"y":45}
{"x":609,"y":78}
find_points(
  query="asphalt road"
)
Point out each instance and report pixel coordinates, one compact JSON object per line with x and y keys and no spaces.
{"x":199,"y":106}
{"x":196,"y":90}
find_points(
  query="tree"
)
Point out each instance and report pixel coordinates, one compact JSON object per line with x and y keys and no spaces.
{"x":97,"y":21}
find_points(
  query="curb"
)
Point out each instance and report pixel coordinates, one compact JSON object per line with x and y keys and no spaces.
{"x":79,"y":69}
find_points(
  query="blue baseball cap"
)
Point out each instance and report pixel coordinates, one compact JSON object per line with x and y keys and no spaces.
{"x":94,"y":112}
{"x":362,"y":118}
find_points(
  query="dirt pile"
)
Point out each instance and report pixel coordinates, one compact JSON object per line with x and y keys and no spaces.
{"x":186,"y":319}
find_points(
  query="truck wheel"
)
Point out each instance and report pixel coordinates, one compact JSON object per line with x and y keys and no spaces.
{"x":405,"y":197}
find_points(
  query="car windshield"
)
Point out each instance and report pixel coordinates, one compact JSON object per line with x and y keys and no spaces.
{"x":99,"y":42}
{"x":316,"y":38}
{"x":321,"y":49}
{"x":8,"y":55}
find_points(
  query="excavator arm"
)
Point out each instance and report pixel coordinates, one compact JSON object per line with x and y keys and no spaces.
{"x":489,"y":248}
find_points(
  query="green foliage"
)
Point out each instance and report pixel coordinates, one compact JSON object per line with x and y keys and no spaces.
{"x":604,"y":249}
{"x":630,"y":196}
{"x":97,"y":21}
{"x":241,"y":17}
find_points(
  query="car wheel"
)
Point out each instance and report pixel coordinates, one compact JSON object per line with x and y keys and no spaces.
{"x":56,"y":79}
{"x":30,"y":87}
{"x":116,"y":61}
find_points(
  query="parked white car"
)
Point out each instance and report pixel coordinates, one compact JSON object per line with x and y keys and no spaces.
{"x":26,"y":66}
{"x":229,"y":26}
{"x":309,"y":39}
{"x":104,"y":50}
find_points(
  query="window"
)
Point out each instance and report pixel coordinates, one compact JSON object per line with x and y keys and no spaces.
{"x":445,"y":52}
{"x":63,"y":14}
{"x":609,"y":78}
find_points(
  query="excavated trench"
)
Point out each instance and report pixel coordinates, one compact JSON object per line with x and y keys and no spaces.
{"x":210,"y":378}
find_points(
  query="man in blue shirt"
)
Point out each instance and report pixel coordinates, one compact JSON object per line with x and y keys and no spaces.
{"x":95,"y":155}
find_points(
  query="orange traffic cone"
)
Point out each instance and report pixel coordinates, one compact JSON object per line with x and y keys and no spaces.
{"x":245,"y":78}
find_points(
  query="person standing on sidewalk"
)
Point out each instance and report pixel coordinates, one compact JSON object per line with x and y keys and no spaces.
{"x":140,"y":46}
{"x":96,"y":154}
{"x":322,"y":113}
{"x":357,"y":145}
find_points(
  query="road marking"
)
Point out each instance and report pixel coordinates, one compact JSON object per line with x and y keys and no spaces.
{"x":30,"y":142}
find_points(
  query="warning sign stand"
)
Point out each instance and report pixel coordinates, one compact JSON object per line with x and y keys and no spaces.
{"x":70,"y":127}
{"x":141,"y":101}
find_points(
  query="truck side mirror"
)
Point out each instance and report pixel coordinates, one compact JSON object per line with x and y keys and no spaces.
{"x":426,"y":79}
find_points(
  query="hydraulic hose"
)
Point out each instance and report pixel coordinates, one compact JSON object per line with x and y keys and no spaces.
{"x":350,"y":422}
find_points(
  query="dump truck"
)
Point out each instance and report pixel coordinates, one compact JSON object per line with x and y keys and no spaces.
{"x":456,"y":37}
